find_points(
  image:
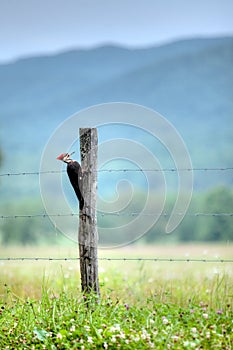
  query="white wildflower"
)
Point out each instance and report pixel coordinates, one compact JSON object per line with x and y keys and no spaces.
{"x":72,"y":328}
{"x":145,"y":335}
{"x":90,"y":340}
{"x":175,"y":338}
{"x":118,"y":327}
{"x":113,"y":339}
{"x":122,"y":335}
{"x":189,"y":344}
{"x":115,"y":328}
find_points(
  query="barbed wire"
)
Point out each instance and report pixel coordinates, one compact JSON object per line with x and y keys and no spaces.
{"x":165,"y":214}
{"x":119,"y":259}
{"x":25,"y":173}
{"x":118,"y":214}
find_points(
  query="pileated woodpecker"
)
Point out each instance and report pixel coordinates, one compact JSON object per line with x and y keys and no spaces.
{"x":75,"y":174}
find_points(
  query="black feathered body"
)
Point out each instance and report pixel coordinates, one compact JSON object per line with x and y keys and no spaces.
{"x":74,"y":172}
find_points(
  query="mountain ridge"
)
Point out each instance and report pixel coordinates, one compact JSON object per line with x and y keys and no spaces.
{"x":202,"y":42}
{"x":189,"y":82}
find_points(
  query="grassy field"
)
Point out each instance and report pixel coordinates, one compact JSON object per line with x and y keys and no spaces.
{"x":143,"y":305}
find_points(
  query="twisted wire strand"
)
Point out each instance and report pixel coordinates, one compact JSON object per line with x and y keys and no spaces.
{"x":118,"y":214}
{"x":119,"y":259}
{"x":24,"y":173}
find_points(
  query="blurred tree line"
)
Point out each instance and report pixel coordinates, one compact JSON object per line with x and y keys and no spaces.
{"x":39,"y":230}
{"x":192,"y":228}
{"x":202,"y":228}
{"x":25,"y":231}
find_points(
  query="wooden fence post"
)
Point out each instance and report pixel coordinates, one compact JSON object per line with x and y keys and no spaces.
{"x":88,"y":234}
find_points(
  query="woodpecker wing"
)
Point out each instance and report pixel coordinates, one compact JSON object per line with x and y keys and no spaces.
{"x":74,"y":172}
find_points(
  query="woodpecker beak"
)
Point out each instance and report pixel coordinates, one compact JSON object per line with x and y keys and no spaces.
{"x":64,"y":156}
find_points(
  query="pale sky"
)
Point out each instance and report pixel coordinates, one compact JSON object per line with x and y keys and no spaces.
{"x":32,"y":27}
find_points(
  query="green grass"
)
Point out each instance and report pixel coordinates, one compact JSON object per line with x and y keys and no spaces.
{"x":143,"y":305}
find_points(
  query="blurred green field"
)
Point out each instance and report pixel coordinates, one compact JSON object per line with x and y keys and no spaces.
{"x":168,"y":280}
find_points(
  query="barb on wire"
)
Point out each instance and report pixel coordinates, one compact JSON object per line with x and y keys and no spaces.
{"x":24,"y":173}
{"x":120,"y":259}
{"x":29,"y":216}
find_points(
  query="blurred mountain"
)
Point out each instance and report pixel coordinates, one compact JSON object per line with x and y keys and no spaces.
{"x":189,"y":82}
